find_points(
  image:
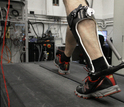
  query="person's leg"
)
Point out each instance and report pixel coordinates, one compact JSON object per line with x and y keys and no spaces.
{"x":70,"y":43}
{"x":62,"y":60}
{"x":86,"y":35}
{"x":87,"y":30}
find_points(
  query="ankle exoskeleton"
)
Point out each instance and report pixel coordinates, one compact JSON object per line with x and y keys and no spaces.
{"x":79,"y":14}
{"x":74,"y":18}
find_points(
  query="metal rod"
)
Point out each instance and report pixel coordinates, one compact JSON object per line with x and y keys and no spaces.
{"x":92,"y":4}
{"x":114,"y":49}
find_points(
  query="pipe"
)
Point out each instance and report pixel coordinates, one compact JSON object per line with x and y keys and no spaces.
{"x":114,"y":49}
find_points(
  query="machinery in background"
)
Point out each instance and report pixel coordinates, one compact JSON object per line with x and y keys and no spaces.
{"x":16,"y":29}
{"x":41,"y":48}
{"x":41,"y":45}
{"x":41,"y":51}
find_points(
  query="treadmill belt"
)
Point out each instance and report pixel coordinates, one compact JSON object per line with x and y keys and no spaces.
{"x":78,"y":74}
{"x":30,"y":85}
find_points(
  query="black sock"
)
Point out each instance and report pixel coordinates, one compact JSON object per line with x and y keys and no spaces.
{"x":99,"y":64}
{"x":65,"y":58}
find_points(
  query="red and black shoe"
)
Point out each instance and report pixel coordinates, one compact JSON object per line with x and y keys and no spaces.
{"x":99,"y":88}
{"x":62,"y":65}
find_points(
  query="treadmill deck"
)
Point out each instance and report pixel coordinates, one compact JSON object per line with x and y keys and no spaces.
{"x":40,"y":85}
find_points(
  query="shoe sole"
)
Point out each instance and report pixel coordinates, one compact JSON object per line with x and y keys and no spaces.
{"x":61,"y":72}
{"x":100,"y":93}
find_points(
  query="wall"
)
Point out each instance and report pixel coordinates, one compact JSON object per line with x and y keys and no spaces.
{"x":98,"y":7}
{"x":46,"y":7}
{"x":55,"y":10}
{"x":108,"y":8}
{"x":118,"y":30}
{"x":38,"y":6}
{"x":103,"y":8}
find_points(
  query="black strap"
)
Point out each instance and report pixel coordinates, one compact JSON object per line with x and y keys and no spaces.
{"x":74,"y":14}
{"x":105,"y":72}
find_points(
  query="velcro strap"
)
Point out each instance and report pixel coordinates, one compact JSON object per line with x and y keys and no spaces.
{"x":84,"y":11}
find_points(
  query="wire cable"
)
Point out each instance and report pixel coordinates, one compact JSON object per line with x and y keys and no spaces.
{"x":36,"y":24}
{"x":2,"y":54}
{"x":33,"y":28}
{"x":7,"y":49}
{"x":40,"y":52}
